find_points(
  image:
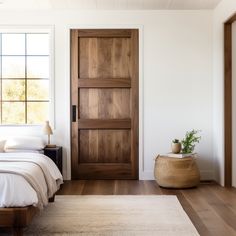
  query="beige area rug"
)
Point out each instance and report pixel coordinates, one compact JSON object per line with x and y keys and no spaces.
{"x":113,"y":216}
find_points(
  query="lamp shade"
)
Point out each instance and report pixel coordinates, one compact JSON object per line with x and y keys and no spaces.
{"x":47,"y":128}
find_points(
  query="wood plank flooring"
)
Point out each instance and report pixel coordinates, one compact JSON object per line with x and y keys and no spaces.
{"x":211,"y":207}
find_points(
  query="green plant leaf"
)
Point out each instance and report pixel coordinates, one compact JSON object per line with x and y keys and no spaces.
{"x":190,"y":140}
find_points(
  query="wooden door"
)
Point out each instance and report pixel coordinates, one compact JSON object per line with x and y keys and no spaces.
{"x":104,"y":96}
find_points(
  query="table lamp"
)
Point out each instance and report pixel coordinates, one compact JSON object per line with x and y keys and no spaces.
{"x":48,"y":130}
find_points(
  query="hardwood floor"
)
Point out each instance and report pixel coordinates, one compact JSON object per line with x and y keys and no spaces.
{"x":211,"y":207}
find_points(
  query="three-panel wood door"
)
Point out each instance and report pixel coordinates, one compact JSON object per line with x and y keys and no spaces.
{"x":104,"y":99}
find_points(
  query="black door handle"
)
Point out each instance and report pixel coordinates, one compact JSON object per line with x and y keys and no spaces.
{"x":73,"y":113}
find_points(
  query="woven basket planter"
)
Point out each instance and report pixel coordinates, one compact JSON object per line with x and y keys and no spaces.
{"x":176,"y":172}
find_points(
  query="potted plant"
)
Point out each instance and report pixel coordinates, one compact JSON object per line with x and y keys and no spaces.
{"x":190,"y":140}
{"x":175,"y":146}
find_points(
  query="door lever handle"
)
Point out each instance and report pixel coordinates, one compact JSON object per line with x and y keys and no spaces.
{"x":73,"y":113}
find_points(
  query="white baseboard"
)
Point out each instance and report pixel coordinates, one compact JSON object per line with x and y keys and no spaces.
{"x":146,"y":175}
{"x":149,"y":175}
{"x":207,"y":175}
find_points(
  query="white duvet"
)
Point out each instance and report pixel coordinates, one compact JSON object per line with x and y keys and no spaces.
{"x":16,"y":190}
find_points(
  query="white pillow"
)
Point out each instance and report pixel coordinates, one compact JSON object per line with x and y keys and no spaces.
{"x":23,"y":151}
{"x":25,"y":142}
{"x":2,"y":145}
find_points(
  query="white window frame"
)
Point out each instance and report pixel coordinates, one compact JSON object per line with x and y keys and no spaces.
{"x":39,"y":29}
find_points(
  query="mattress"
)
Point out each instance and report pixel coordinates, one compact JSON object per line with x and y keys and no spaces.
{"x":16,"y":190}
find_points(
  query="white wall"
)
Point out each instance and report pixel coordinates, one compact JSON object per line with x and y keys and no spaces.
{"x":222,"y":12}
{"x":176,"y":72}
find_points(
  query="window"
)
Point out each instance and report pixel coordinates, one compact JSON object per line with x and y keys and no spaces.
{"x":24,"y":77}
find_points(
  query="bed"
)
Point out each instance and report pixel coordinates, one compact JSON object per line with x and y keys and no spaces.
{"x":28,"y":181}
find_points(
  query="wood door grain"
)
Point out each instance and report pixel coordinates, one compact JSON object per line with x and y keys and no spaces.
{"x":105,"y":146}
{"x":104,"y":103}
{"x":104,"y":58}
{"x":104,"y":89}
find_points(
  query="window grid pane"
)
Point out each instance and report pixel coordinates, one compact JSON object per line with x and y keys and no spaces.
{"x":13,"y":66}
{"x":13,"y":113}
{"x":13,"y":44}
{"x":37,"y":112}
{"x":13,"y":90}
{"x":37,"y":67}
{"x":37,"y":44}
{"x":24,"y":100}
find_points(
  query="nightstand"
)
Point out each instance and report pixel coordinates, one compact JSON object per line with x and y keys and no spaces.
{"x":55,"y":154}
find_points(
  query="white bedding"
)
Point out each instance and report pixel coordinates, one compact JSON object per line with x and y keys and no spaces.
{"x":15,"y":191}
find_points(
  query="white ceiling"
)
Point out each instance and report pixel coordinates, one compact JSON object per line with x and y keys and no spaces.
{"x":110,"y":4}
